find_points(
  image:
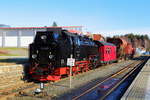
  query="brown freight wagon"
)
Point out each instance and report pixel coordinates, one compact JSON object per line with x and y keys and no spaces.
{"x":97,"y":37}
{"x":124,"y":49}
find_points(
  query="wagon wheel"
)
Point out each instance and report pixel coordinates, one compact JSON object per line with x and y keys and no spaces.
{"x":90,"y":66}
{"x":85,"y":68}
{"x":94,"y":65}
{"x":82,"y":69}
{"x":74,"y":72}
{"x":68,"y":72}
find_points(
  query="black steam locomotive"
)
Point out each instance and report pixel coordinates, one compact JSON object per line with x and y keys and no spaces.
{"x":49,"y":52}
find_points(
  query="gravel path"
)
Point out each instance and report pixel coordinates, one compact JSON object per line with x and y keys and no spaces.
{"x":61,"y":91}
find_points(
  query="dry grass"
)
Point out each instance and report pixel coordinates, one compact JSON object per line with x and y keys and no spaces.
{"x":11,"y":51}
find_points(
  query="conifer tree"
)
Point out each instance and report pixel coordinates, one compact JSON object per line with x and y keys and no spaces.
{"x":54,"y":24}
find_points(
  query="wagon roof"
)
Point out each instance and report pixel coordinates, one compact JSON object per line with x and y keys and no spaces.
{"x":106,"y":43}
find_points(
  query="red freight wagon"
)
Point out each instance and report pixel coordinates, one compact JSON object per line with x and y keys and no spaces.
{"x":107,"y":52}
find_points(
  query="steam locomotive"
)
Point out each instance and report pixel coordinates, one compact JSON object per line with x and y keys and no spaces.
{"x":50,"y":50}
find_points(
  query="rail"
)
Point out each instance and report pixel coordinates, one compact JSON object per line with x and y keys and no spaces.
{"x":110,"y":77}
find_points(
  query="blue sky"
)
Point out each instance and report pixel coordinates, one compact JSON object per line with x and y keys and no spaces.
{"x":95,"y":15}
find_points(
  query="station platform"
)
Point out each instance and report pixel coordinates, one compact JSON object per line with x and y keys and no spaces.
{"x":140,"y":87}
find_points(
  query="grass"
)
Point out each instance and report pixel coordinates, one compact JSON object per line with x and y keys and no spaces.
{"x":13,"y":48}
{"x":9,"y":55}
{"x":13,"y":51}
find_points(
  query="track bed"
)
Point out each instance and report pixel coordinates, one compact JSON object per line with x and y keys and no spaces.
{"x":80,"y":83}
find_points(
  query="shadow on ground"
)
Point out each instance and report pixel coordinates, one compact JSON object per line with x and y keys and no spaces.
{"x":14,"y":60}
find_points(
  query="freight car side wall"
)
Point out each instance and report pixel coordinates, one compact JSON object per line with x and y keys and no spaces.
{"x":107,"y":53}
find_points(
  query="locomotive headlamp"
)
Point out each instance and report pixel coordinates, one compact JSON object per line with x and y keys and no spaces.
{"x":34,"y":56}
{"x":43,"y":37}
{"x":50,"y":56}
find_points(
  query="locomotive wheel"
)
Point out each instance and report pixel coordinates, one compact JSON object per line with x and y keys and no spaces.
{"x":75,"y":73}
{"x":90,"y":66}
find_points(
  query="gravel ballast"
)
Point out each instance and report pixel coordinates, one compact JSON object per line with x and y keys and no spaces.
{"x":61,"y":91}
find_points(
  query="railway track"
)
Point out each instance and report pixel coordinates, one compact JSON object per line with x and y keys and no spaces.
{"x":10,"y":89}
{"x":23,"y":87}
{"x":120,"y":76}
{"x":10,"y":92}
{"x":20,"y":89}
